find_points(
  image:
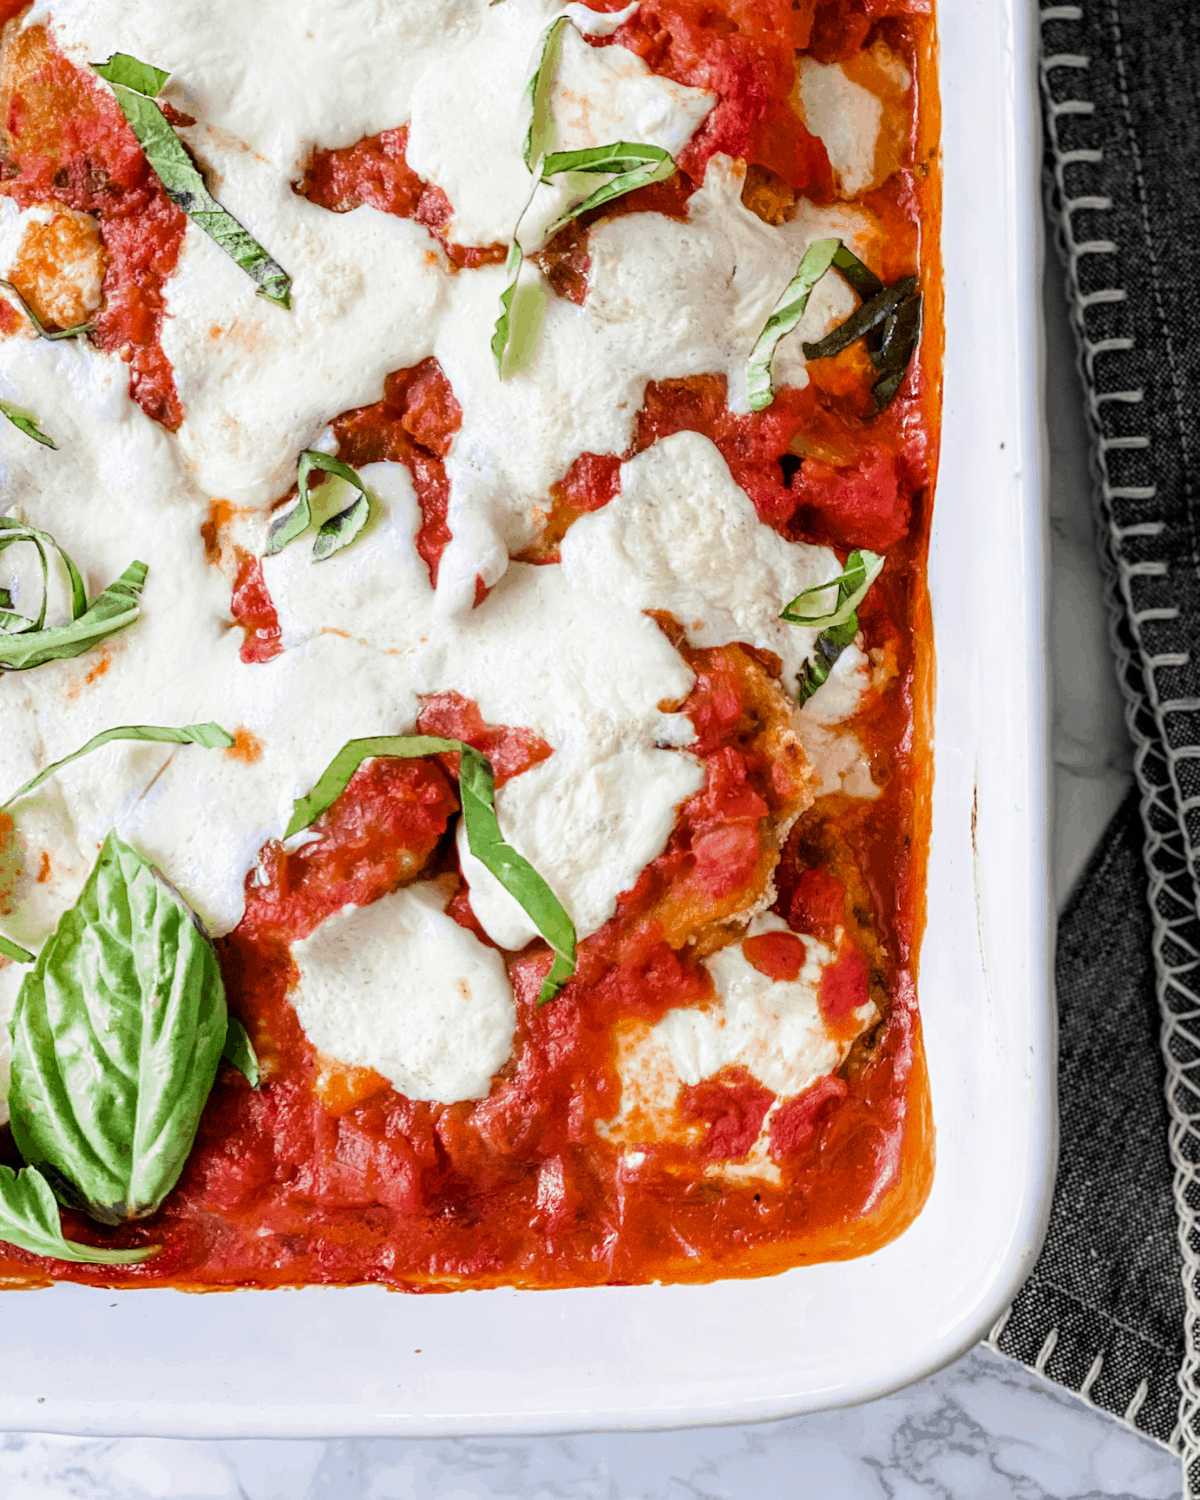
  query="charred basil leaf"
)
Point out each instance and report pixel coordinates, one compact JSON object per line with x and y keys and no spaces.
{"x":339,"y":530}
{"x":117,"y":1033}
{"x":477,"y":789}
{"x":29,"y":1219}
{"x":135,"y":84}
{"x":889,"y":319}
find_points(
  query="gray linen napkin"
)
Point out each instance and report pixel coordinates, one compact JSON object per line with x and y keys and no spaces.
{"x":1112,"y":1309}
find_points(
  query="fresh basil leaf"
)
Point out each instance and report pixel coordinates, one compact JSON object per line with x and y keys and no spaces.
{"x":117,"y":1033}
{"x":239,"y":1051}
{"x":335,"y":533}
{"x":129,"y":73}
{"x":651,"y":164}
{"x":785,"y":316}
{"x":873,"y":314}
{"x":537,"y":93}
{"x":208,"y":736}
{"x":617,"y":156}
{"x":337,"y":774}
{"x":503,"y":329}
{"x":111,"y":611}
{"x":180,"y":176}
{"x":12,"y":950}
{"x":30,"y":1220}
{"x":477,"y":789}
{"x":39,"y":327}
{"x":26,"y":422}
{"x":13,"y":531}
{"x":839,"y":626}
{"x":861,"y":570}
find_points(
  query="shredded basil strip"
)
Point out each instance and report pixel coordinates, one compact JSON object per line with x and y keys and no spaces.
{"x":27,"y":642}
{"x":14,"y":951}
{"x":636,"y":166}
{"x":239,"y":1052}
{"x":24,"y":421}
{"x":30,"y":1220}
{"x":503,"y":329}
{"x":117,"y":1034}
{"x":837,"y":627}
{"x":889,"y":319}
{"x":785,"y":316}
{"x":477,"y":788}
{"x":209,"y":736}
{"x":537,"y":93}
{"x":38,"y":326}
{"x":335,"y":533}
{"x":135,"y":85}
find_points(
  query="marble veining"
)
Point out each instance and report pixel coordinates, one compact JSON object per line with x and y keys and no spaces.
{"x":984,"y":1429}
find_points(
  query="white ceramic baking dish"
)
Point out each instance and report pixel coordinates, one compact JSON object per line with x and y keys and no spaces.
{"x":364,"y":1361}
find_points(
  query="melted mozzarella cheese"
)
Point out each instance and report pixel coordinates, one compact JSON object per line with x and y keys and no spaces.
{"x":773,"y":1029}
{"x":597,"y":96}
{"x":563,"y":651}
{"x":682,"y":536}
{"x":847,"y":118}
{"x":589,"y":826}
{"x":400,"y":987}
{"x":839,"y":696}
{"x":258,"y":381}
{"x":666,"y":299}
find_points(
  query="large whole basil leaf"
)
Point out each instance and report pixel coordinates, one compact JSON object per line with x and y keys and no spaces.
{"x":477,"y":787}
{"x":29,"y":1219}
{"x":117,"y":1033}
{"x":135,"y":83}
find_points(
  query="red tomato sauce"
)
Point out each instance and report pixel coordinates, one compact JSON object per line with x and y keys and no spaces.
{"x":65,"y":140}
{"x":326,"y":1174}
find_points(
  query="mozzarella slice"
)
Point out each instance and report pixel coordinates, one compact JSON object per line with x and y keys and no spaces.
{"x":588,"y":826}
{"x":400,"y":987}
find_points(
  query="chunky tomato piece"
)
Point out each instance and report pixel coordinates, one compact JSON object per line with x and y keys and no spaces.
{"x":778,"y":955}
{"x":254,"y":610}
{"x":733,"y":1105}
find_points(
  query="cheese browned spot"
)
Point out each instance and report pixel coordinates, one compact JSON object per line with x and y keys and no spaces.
{"x":59,"y":266}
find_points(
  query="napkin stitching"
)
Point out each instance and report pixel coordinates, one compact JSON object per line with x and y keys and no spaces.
{"x":1168,"y":854}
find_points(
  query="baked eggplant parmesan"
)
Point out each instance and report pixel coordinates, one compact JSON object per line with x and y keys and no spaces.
{"x":465,"y":658}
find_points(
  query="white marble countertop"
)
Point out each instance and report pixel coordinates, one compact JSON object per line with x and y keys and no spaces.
{"x":984,"y":1429}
